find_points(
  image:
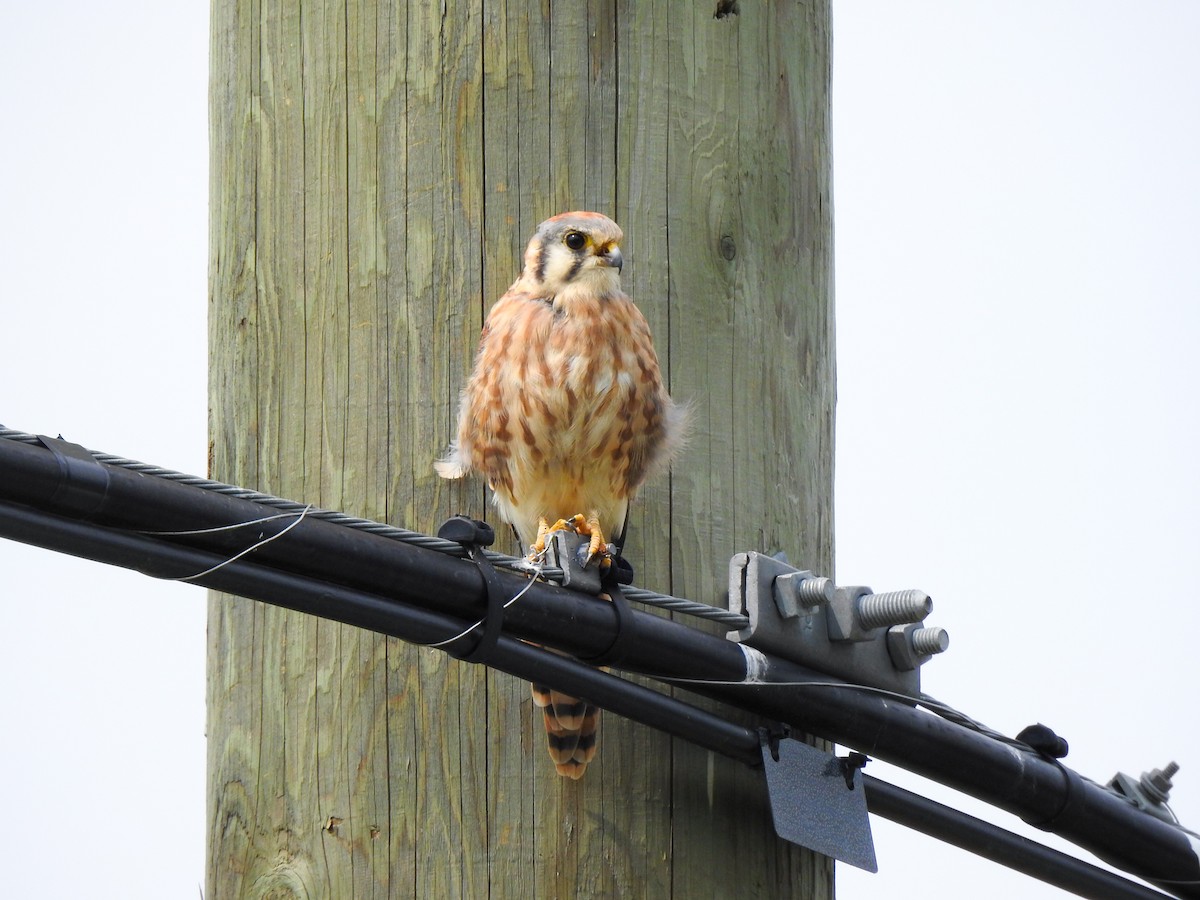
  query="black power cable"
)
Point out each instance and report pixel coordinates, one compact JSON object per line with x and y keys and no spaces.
{"x":335,"y":560}
{"x":155,"y":557}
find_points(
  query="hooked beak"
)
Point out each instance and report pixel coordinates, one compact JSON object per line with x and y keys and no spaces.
{"x":612,"y":257}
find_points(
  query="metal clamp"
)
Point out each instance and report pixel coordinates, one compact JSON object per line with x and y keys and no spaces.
{"x":848,"y":631}
{"x":567,"y":550}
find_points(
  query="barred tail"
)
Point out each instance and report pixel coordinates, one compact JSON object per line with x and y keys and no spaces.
{"x":571,"y":726}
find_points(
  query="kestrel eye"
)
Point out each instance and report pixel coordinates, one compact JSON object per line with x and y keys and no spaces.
{"x":575,"y":240}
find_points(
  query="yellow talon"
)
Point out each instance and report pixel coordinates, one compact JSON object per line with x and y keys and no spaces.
{"x":539,"y":543}
{"x":545,"y":530}
{"x":580,"y":524}
{"x":597,"y":544}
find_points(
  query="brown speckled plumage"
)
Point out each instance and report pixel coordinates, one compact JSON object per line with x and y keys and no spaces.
{"x":566,"y":411}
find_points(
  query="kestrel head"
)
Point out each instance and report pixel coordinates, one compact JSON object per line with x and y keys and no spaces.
{"x":575,"y":249}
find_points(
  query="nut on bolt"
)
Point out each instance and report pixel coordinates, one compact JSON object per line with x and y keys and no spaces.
{"x":1157,"y":782}
{"x":797,"y":592}
{"x":911,"y":645}
{"x":857,"y":613}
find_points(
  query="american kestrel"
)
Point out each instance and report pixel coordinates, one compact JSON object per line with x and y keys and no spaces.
{"x":566,"y":414}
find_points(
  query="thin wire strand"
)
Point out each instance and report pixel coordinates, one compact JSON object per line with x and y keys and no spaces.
{"x":517,"y":564}
{"x":733,"y":620}
{"x":937,"y":707}
{"x":535,"y":562}
{"x":298,"y":511}
{"x":248,"y":550}
{"x":233,"y":527}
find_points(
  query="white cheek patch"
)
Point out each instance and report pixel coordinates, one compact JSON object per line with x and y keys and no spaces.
{"x":559,"y":263}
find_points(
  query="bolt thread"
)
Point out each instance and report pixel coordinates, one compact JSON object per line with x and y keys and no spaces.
{"x":812,"y":591}
{"x":1158,"y":782}
{"x":928,"y":641}
{"x":893,"y":608}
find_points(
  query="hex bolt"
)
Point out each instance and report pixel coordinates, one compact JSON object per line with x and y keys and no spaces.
{"x":1157,"y":782}
{"x":928,"y":641}
{"x":893,"y":608}
{"x":799,"y":591}
{"x":912,"y":645}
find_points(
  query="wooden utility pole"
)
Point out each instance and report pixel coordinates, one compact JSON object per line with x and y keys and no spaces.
{"x":376,"y":170}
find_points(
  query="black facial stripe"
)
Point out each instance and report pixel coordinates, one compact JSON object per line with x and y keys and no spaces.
{"x":540,"y":272}
{"x":575,"y":267}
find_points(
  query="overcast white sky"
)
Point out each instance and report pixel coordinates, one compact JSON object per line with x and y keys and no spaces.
{"x":1017,"y":205}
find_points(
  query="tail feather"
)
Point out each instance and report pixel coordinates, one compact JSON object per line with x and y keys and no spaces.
{"x":571,"y":726}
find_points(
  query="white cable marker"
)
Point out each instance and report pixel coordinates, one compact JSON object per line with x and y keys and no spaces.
{"x":756,"y":666}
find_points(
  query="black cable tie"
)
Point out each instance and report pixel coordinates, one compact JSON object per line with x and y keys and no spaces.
{"x":620,"y":571}
{"x":467,"y":531}
{"x":474,"y":535}
{"x":83,"y":483}
{"x":1073,"y":805}
{"x":621,"y":645}
{"x":1043,"y":739}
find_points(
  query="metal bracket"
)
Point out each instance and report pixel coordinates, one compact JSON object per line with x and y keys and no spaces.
{"x":818,"y":801}
{"x":566,"y":549}
{"x":850,"y":632}
{"x":1149,"y":793}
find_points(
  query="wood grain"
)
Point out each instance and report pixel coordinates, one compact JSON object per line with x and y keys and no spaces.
{"x":376,"y":171}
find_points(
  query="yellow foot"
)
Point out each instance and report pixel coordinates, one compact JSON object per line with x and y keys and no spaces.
{"x":597,"y":544}
{"x":539,"y":543}
{"x":588,"y":526}
{"x":545,"y":529}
